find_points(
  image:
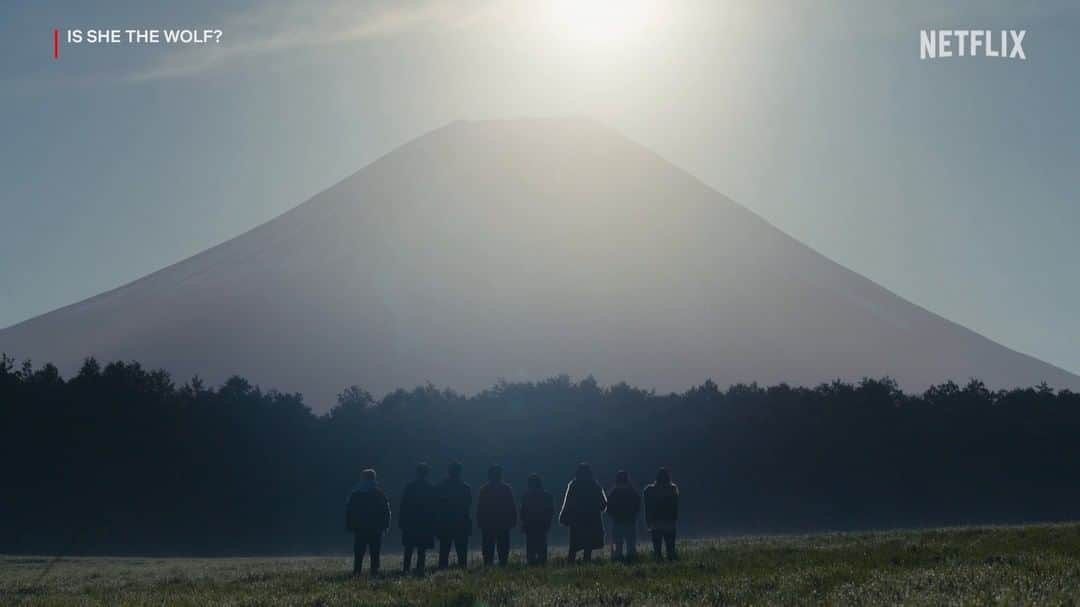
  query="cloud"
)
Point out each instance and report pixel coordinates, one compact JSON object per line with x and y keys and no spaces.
{"x":295,"y":25}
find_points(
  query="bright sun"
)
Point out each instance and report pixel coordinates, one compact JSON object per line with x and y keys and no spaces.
{"x":603,"y":22}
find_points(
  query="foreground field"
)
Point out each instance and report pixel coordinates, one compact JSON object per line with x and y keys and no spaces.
{"x":968,"y":566}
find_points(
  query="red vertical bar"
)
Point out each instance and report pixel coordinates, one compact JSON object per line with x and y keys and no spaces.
{"x":56,"y":44}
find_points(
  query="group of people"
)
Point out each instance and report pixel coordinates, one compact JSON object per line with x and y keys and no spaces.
{"x":444,"y":511}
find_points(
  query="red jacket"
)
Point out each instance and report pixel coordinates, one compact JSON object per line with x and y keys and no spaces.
{"x":495,"y":507}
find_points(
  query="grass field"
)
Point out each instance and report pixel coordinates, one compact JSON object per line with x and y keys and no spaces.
{"x":1037,"y":564}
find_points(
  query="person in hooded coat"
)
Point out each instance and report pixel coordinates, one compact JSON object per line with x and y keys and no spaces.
{"x":417,"y":519}
{"x":537,"y":511}
{"x":496,"y":515}
{"x":582,"y":511}
{"x":661,"y":513}
{"x":367,"y":515}
{"x":624,"y":505}
{"x":455,"y":526}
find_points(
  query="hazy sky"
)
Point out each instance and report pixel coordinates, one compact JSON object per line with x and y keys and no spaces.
{"x":951,"y":182}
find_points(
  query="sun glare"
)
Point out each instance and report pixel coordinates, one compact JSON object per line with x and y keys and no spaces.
{"x":603,"y":22}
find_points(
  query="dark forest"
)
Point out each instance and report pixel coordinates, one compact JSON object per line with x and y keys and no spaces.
{"x":122,"y":460}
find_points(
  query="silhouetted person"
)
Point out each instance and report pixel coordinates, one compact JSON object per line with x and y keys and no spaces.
{"x":661,"y":513}
{"x":455,"y":503}
{"x":624,"y":505}
{"x":582,"y":511}
{"x":496,"y":515}
{"x":537,"y":510}
{"x":367,"y":515}
{"x":416,"y":518}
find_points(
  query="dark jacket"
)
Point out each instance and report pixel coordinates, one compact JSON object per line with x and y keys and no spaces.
{"x":582,"y":511}
{"x":537,"y":510}
{"x":661,"y":506}
{"x":417,"y":514}
{"x":624,"y":504}
{"x":367,"y":510}
{"x":455,"y":505}
{"x":495,"y":507}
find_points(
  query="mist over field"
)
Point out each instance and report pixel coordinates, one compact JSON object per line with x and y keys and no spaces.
{"x":1030,"y":565}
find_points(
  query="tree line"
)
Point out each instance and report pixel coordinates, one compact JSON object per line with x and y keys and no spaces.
{"x":119,"y":459}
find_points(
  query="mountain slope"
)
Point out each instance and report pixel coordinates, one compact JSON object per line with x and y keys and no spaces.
{"x":518,"y":250}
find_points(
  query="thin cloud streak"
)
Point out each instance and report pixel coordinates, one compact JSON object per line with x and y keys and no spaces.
{"x":277,"y":28}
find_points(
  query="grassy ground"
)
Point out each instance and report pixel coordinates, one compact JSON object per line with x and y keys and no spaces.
{"x":970,"y":566}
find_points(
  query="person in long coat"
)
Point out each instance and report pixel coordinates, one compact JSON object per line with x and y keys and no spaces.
{"x":417,"y":519}
{"x":455,"y":525}
{"x":582,"y":511}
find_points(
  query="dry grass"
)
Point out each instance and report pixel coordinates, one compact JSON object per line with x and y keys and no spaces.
{"x":1037,"y":564}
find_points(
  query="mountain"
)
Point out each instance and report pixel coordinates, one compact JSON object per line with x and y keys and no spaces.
{"x":518,"y":250}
